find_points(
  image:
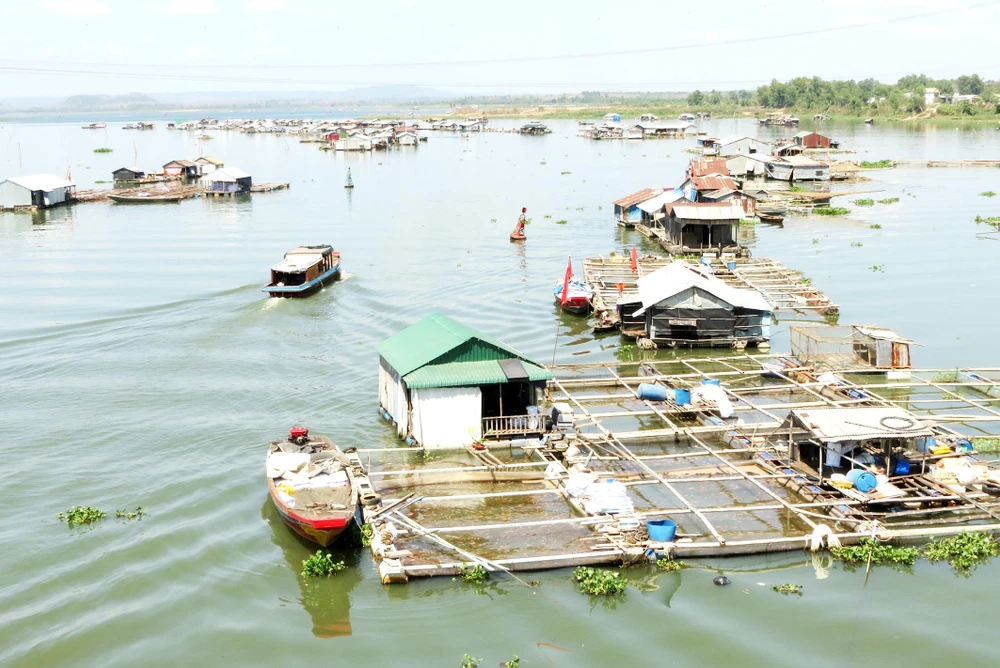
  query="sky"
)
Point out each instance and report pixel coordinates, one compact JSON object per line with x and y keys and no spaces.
{"x":56,"y":48}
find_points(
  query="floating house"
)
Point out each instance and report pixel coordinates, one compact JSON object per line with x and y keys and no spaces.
{"x":445,"y":385}
{"x":665,"y":128}
{"x":534,"y":128}
{"x":627,"y":210}
{"x":356,"y":142}
{"x":695,"y":186}
{"x":684,"y":305}
{"x":814,"y":140}
{"x":128,"y":174}
{"x":806,"y":169}
{"x":704,"y":226}
{"x":39,"y":190}
{"x":227,"y":180}
{"x":209,"y":164}
{"x":472,"y":125}
{"x":653,"y":210}
{"x":736,"y":145}
{"x":407,"y":138}
{"x":185,"y":168}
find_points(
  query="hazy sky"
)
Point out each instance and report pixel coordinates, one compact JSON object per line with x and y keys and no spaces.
{"x":63,"y":47}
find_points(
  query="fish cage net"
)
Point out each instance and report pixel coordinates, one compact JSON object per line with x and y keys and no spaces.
{"x":832,"y":348}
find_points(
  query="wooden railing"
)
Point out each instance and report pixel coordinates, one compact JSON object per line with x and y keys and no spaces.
{"x":513,"y":425}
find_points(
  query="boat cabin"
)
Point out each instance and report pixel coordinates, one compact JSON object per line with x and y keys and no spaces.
{"x":303,"y":270}
{"x":445,"y":385}
{"x":683,"y":304}
{"x":534,"y":128}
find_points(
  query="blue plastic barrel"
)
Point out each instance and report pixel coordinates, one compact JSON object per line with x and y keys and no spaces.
{"x":862,"y":480}
{"x":963,"y":445}
{"x":661,"y":531}
{"x":902,"y":467}
{"x":710,"y":381}
{"x":652,"y":392}
{"x":706,"y":259}
{"x":682,"y":397}
{"x":731,"y":266}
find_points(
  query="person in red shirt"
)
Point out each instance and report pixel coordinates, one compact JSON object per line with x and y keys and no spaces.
{"x":519,"y":228}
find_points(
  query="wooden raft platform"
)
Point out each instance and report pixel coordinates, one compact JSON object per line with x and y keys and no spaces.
{"x":161,"y":188}
{"x":516,"y":506}
{"x":267,"y":187}
{"x":788,"y":290}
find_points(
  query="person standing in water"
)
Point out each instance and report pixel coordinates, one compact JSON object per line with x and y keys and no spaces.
{"x":519,"y":228}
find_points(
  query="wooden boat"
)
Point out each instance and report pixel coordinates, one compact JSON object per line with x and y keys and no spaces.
{"x":149,"y":198}
{"x":95,"y":126}
{"x":303,"y":271}
{"x":514,"y":236}
{"x":771,"y":216}
{"x":316,"y":488}
{"x":577,"y":298}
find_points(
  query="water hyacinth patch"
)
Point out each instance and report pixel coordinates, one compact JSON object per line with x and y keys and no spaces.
{"x":321,"y":564}
{"x":878,"y":164}
{"x":599,"y":582}
{"x":870,"y":551}
{"x":78,"y":515}
{"x":831,"y":211}
{"x":963,"y":552}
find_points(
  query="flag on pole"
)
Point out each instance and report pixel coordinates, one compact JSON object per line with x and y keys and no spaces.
{"x":569,"y":274}
{"x":635,"y":260}
{"x":69,"y":173}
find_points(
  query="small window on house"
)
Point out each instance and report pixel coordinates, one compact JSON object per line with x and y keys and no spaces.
{"x":753,"y":149}
{"x":819,"y":172}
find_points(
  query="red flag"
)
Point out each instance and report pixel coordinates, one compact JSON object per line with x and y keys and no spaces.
{"x":635,"y":260}
{"x":569,"y":274}
{"x":69,"y":174}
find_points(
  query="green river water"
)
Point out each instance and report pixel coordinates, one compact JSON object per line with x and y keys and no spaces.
{"x":142,"y":366}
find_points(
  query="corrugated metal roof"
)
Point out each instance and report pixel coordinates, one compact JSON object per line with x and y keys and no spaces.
{"x":676,"y":277}
{"x":40,"y":182}
{"x":434,"y":337}
{"x":852,"y":424}
{"x":211,"y":160}
{"x":713,"y":182}
{"x":638,"y":196}
{"x":666,"y":197}
{"x":182,"y":163}
{"x":705,"y":166}
{"x":881,"y":333}
{"x":718,"y":194}
{"x":706,"y":211}
{"x":460,"y":374}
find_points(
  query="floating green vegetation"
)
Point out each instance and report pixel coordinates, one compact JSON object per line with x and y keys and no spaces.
{"x":963,"y":552}
{"x":565,"y":173}
{"x":831,"y":211}
{"x":878,"y":164}
{"x":888,"y":200}
{"x":78,"y":515}
{"x":579,"y":208}
{"x":493,"y":220}
{"x":796,"y":189}
{"x":561,"y":222}
{"x":366,"y":534}
{"x":669,"y":565}
{"x":987,"y":193}
{"x":878,"y":268}
{"x":600,"y":208}
{"x":986,"y":443}
{"x":945,"y":377}
{"x":514,"y":662}
{"x":815,"y":241}
{"x":875,"y":226}
{"x":103,"y":150}
{"x":321,"y":564}
{"x":992,"y":220}
{"x":469,"y":661}
{"x":475,"y":574}
{"x":599,"y":582}
{"x":856,"y":244}
{"x":548,"y":215}
{"x":129,"y":515}
{"x":869,"y":551}
{"x":543,"y":163}
{"x":748,"y":221}
{"x":786,"y":589}
{"x":864,"y":202}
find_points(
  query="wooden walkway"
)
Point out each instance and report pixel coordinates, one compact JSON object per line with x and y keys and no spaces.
{"x":788,"y":290}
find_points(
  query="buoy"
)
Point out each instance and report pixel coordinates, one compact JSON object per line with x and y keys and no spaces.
{"x":722,"y":580}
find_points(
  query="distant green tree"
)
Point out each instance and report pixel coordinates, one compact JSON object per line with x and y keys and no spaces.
{"x":715,"y":97}
{"x":696,"y":97}
{"x":970,"y":84}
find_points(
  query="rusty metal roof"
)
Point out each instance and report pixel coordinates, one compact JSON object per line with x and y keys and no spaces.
{"x":706,"y":166}
{"x":639,"y":196}
{"x":713,"y":182}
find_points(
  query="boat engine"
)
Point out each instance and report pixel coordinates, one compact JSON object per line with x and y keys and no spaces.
{"x":298,"y":435}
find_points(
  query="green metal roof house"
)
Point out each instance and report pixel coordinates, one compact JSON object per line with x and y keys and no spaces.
{"x":446,"y":385}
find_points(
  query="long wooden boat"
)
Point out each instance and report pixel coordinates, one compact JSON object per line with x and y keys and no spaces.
{"x":514,"y":236}
{"x":150,"y":198}
{"x":303,"y":271}
{"x":314,"y":486}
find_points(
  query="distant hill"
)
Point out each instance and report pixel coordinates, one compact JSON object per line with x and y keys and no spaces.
{"x":105,"y":103}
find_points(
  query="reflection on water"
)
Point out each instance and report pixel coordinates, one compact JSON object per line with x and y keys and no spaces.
{"x":326,"y":600}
